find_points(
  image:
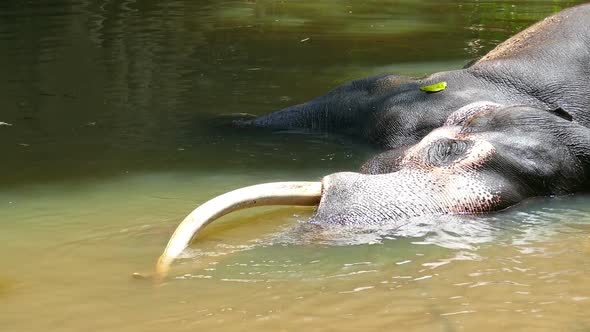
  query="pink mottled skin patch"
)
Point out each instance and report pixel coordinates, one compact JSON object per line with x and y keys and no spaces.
{"x":462,"y":187}
{"x":461,"y":116}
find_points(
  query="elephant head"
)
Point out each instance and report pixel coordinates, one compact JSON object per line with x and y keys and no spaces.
{"x":485,"y":158}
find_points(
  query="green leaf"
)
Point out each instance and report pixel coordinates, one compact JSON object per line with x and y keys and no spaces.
{"x":436,"y":87}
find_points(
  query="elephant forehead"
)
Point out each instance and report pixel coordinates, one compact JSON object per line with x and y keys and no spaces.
{"x":464,"y":114}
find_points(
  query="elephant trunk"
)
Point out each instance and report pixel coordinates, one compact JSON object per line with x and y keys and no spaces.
{"x":392,"y":199}
{"x":278,"y":193}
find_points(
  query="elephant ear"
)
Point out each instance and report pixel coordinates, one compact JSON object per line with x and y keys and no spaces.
{"x":570,"y":133}
{"x":462,"y":116}
{"x":560,"y":112}
{"x":578,"y":141}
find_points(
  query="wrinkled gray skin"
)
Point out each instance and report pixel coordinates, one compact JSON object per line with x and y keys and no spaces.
{"x":463,"y":150}
{"x":483,"y":159}
{"x":546,"y":66}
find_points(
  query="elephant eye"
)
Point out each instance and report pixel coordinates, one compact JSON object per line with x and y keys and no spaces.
{"x":445,"y":151}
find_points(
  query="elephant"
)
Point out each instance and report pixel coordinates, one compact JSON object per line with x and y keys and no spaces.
{"x":514,"y":124}
{"x":486,"y":157}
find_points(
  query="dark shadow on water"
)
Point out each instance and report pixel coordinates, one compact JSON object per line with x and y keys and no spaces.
{"x":205,"y":143}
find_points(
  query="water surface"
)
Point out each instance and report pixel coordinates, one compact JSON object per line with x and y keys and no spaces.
{"x":112,"y":135}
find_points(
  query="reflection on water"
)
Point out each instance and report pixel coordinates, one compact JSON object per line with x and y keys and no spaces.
{"x":114,"y":136}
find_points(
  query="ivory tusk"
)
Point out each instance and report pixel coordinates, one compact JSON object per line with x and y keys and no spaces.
{"x":276,"y":193}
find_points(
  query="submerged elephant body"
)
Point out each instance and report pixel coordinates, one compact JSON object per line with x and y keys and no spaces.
{"x":515,"y":124}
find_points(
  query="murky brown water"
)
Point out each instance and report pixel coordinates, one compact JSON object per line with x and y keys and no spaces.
{"x":111,"y":142}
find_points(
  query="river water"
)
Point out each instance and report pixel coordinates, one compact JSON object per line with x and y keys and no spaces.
{"x":112,"y":130}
